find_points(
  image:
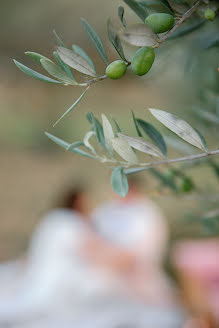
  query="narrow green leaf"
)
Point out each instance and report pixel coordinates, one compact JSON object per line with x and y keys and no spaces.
{"x":75,"y":61}
{"x":83,"y":54}
{"x":71,"y":108}
{"x":35,"y":56}
{"x":154,"y":134}
{"x":89,"y":117}
{"x":59,"y":40}
{"x":179,"y":127}
{"x":97,"y":128}
{"x":58,"y":141}
{"x":56,"y":71}
{"x":101,"y":137}
{"x":136,"y":126}
{"x":140,"y":10}
{"x":114,"y":39}
{"x":121,"y":15}
{"x":202,"y":139}
{"x":118,"y":130}
{"x":65,"y":67}
{"x":95,"y":39}
{"x":68,"y":146}
{"x":119,"y":182}
{"x":34,"y":74}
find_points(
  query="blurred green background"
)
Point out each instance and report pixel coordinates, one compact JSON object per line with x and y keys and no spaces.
{"x":33,"y":170}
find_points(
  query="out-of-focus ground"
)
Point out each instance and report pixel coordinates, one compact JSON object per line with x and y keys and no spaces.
{"x":33,"y":170}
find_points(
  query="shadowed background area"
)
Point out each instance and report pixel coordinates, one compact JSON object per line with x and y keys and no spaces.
{"x":34,"y":170}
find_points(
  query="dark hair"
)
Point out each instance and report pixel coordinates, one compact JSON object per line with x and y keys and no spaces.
{"x":69,"y":199}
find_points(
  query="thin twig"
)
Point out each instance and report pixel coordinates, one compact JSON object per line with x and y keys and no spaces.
{"x":180,"y":21}
{"x":147,"y":166}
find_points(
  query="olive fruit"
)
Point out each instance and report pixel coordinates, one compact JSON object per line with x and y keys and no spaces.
{"x":143,"y":60}
{"x":160,"y":23}
{"x":209,"y":14}
{"x":116,"y":69}
{"x":186,"y":185}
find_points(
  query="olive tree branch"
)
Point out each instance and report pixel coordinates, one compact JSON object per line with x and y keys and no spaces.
{"x":187,"y":14}
{"x":147,"y":166}
{"x":161,"y":40}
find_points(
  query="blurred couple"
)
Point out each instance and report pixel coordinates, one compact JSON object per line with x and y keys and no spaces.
{"x":78,"y":261}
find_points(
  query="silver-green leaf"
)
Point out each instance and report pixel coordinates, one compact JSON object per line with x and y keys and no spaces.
{"x":141,"y":145}
{"x":56,"y":71}
{"x":83,"y":54}
{"x":75,"y":61}
{"x":95,"y":39}
{"x":139,"y":35}
{"x":179,"y":127}
{"x":35,"y":74}
{"x":122,"y":147}
{"x":108,"y":132}
{"x":35,"y":56}
{"x":65,"y":67}
{"x":119,"y":181}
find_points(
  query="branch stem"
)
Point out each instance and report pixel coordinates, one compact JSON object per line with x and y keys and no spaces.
{"x":187,"y":14}
{"x":147,"y":166}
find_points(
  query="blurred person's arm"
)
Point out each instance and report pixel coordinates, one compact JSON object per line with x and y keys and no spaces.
{"x":104,"y":254}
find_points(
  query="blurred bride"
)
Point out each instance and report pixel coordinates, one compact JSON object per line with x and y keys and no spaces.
{"x":95,"y":273}
{"x":53,"y":273}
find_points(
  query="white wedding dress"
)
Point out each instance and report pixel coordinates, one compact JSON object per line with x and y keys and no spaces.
{"x":54,"y":274}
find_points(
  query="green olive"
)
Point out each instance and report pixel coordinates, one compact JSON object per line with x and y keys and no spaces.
{"x":186,"y":185}
{"x":160,"y":23}
{"x":116,"y":69}
{"x":209,"y":14}
{"x":143,"y":60}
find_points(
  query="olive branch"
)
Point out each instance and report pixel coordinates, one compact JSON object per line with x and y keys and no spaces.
{"x":117,"y":149}
{"x":141,"y":35}
{"x":103,"y":142}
